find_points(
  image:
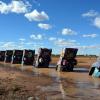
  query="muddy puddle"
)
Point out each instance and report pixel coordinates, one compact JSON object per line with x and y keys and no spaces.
{"x":77,"y":85}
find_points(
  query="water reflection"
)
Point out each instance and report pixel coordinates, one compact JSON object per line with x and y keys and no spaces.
{"x":71,"y":85}
{"x":96,"y":82}
{"x":57,"y":78}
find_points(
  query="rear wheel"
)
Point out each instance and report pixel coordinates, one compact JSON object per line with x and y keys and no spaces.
{"x":46,"y":65}
{"x":69,"y":67}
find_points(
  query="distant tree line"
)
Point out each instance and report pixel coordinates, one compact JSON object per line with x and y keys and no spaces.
{"x":55,"y":55}
{"x":85,"y":55}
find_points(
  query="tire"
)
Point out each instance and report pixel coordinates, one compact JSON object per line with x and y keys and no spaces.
{"x":69,"y":67}
{"x":91,"y":71}
{"x":72,"y":67}
{"x":46,"y":64}
{"x":56,"y":67}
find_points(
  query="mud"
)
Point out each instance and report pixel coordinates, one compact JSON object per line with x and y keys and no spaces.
{"x":28,"y":83}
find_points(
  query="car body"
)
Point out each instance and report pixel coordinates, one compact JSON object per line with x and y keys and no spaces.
{"x":8,"y":56}
{"x":17,"y":57}
{"x":95,"y":68}
{"x":2,"y":55}
{"x":28,"y":57}
{"x":67,"y":59}
{"x":43,"y":57}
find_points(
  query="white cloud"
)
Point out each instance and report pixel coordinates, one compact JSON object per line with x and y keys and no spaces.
{"x":52,"y":38}
{"x":90,"y":13}
{"x":68,"y":31}
{"x":29,"y":43}
{"x":36,"y":37}
{"x":17,"y":45}
{"x":8,"y":45}
{"x":4,"y":8}
{"x":97,"y":22}
{"x":63,"y":42}
{"x":60,"y":40}
{"x":95,"y":17}
{"x":36,"y":16}
{"x":20,"y":7}
{"x":16,"y":6}
{"x":89,"y":47}
{"x":44,"y":26}
{"x":90,"y":35}
{"x":11,"y":46}
{"x":22,"y":39}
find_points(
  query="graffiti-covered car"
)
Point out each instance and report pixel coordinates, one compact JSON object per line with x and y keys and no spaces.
{"x":2,"y":55}
{"x":67,"y":59}
{"x":8,"y":56}
{"x":28,"y":57}
{"x":17,"y":56}
{"x":43,"y":57}
{"x":95,"y":68}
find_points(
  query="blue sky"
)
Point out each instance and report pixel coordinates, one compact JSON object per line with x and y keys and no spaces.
{"x":55,"y":24}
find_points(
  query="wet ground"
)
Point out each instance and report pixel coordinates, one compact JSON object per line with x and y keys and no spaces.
{"x":47,"y":84}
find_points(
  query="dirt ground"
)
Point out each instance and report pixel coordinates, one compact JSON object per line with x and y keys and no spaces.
{"x":28,"y":83}
{"x":20,"y":85}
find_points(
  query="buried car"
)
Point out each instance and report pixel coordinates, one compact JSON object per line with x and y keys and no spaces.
{"x":17,"y":57}
{"x":8,"y":56}
{"x":2,"y":55}
{"x":95,"y":68}
{"x":67,"y":59}
{"x":28,"y":57}
{"x":43,"y":57}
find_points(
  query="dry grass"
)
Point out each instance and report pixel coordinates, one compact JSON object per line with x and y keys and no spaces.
{"x":82,"y":61}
